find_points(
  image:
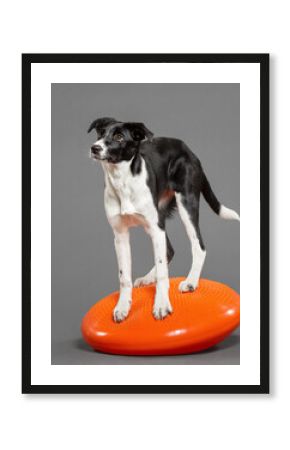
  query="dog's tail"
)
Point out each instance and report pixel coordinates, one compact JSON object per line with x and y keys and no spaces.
{"x":216,"y":206}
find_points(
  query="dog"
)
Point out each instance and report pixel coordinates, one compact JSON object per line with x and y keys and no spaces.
{"x":146,"y":180}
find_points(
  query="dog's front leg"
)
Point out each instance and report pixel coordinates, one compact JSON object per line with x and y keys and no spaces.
{"x":123,"y":251}
{"x":162,"y":306}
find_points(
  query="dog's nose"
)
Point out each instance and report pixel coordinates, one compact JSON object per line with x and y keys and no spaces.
{"x":95,"y":149}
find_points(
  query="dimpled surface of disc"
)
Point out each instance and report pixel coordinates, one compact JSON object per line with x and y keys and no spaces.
{"x":200,"y":319}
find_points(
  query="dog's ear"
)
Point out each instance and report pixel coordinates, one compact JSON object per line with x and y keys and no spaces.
{"x":139,"y":131}
{"x":101,"y":123}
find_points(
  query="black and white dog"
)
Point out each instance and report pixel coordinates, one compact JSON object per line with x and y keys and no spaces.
{"x":146,"y":179}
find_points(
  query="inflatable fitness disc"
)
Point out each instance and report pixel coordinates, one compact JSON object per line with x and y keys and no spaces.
{"x":200,"y":320}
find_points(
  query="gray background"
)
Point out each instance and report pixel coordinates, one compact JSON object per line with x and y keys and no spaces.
{"x":84,"y":268}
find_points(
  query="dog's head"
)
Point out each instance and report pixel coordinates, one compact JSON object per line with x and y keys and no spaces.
{"x":117,"y":141}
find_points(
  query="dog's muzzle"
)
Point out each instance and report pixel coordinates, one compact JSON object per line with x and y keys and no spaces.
{"x":96,"y":150}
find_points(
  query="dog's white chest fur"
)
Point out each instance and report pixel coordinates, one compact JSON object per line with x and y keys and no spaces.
{"x":127,"y":196}
{"x":122,"y":183}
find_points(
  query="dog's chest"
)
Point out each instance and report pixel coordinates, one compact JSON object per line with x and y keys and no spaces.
{"x":123,"y":186}
{"x":129,"y":196}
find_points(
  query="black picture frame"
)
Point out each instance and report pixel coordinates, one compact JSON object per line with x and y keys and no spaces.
{"x":27,"y":60}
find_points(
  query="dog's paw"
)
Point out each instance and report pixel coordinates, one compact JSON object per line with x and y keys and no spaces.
{"x":161,"y":310}
{"x":121,"y":311}
{"x":187,"y":286}
{"x":145,"y":281}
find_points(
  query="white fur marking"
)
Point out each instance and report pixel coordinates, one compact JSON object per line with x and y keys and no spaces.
{"x":123,"y":252}
{"x":162,"y":306}
{"x":103,"y":152}
{"x":198,"y":255}
{"x":149,"y":278}
{"x":228,"y":214}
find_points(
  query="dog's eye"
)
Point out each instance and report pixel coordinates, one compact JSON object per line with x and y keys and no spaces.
{"x":118,"y":137}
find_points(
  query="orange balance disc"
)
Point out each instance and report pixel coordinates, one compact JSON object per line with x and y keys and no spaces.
{"x":200,"y":320}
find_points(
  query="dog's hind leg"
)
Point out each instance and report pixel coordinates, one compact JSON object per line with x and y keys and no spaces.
{"x":150,"y":277}
{"x":189,"y":212}
{"x":147,"y":279}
